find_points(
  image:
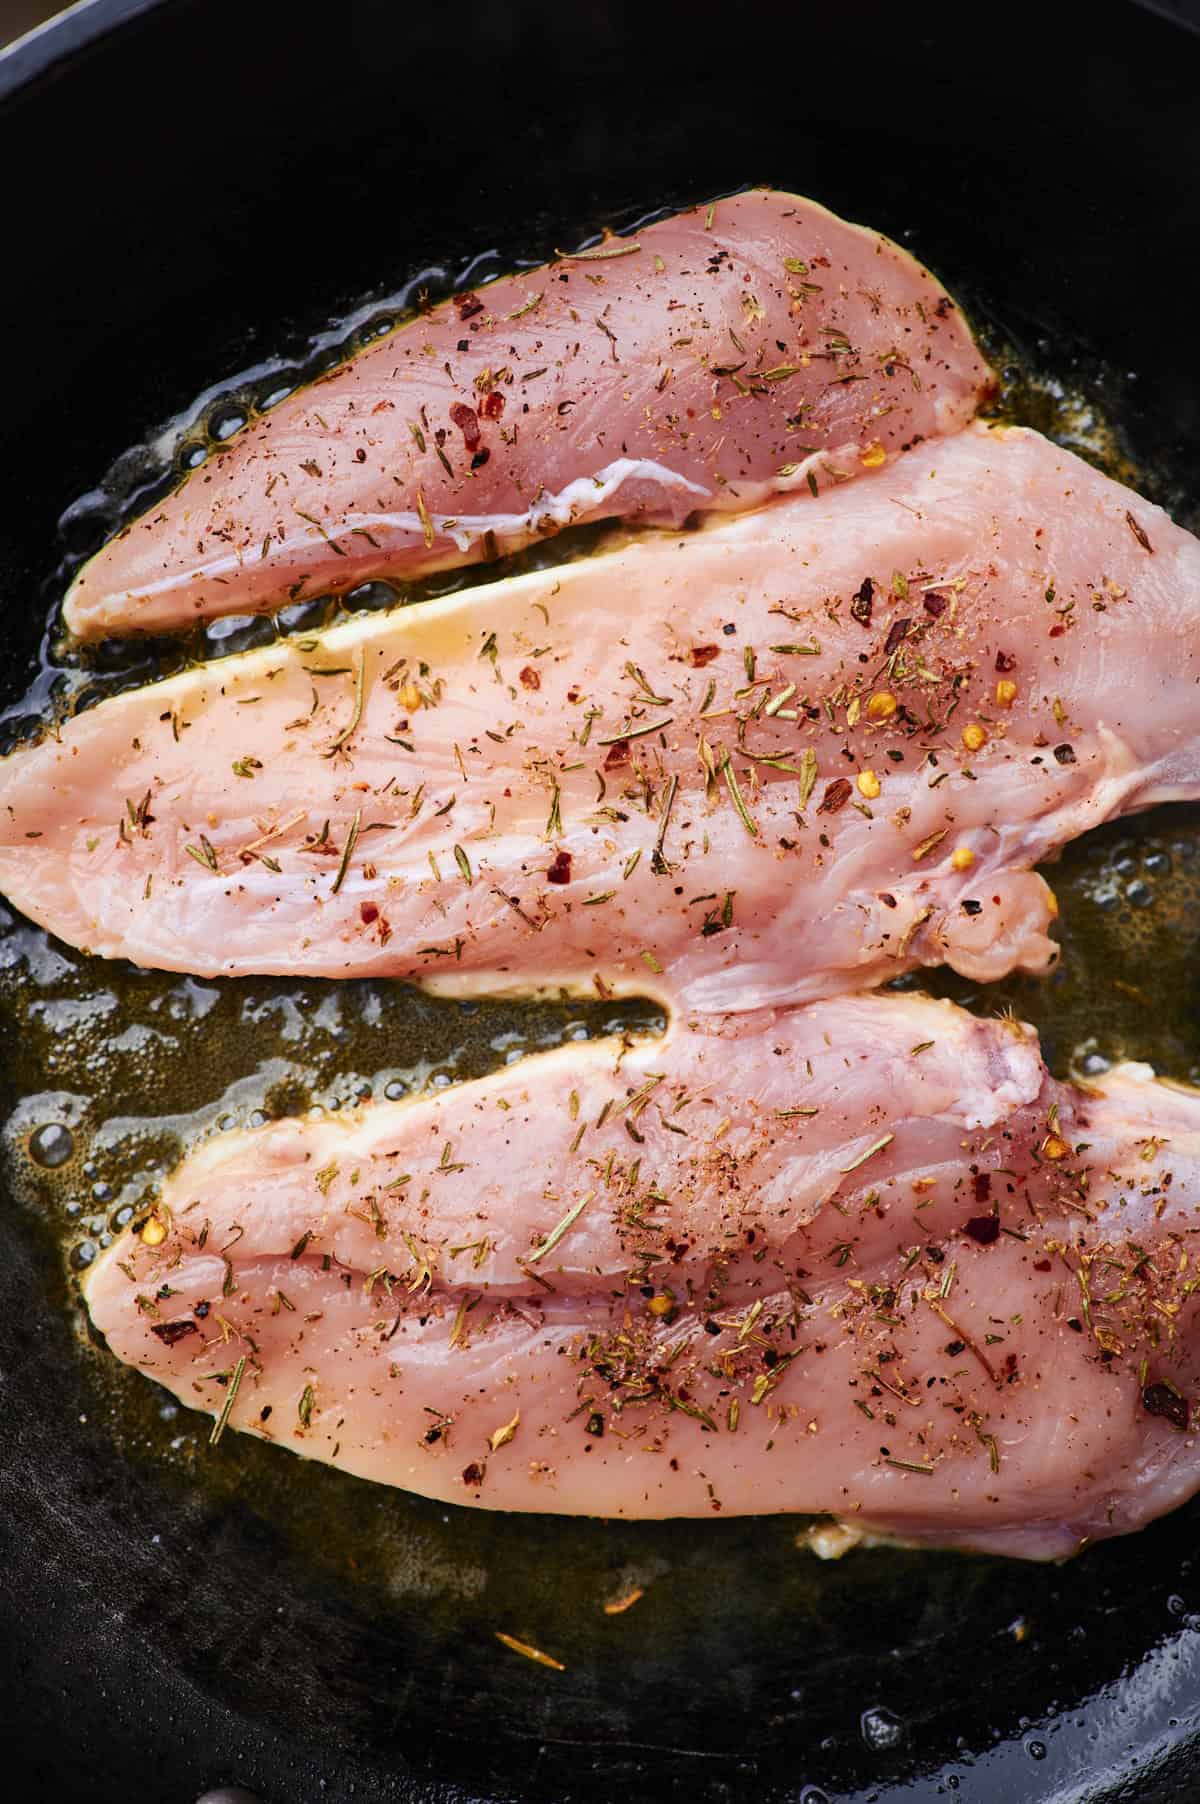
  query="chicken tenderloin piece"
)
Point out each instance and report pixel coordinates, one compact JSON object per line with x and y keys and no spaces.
{"x":796,"y":752}
{"x":721,"y":356}
{"x":865,"y":1258}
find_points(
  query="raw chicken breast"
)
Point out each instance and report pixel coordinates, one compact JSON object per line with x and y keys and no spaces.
{"x":865,"y":1258}
{"x":717,"y":357}
{"x":795,"y":752}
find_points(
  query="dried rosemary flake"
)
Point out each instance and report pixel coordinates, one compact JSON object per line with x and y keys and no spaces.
{"x":360,"y":674}
{"x":601,"y":254}
{"x":235,"y":1382}
{"x":203,"y":854}
{"x":927,"y":845}
{"x":347,"y":852}
{"x":426,"y":522}
{"x":464,"y":865}
{"x":304,"y":1408}
{"x":556,"y":1233}
{"x":735,"y":795}
{"x":629,"y":731}
{"x":876,"y":1147}
{"x":808,"y":775}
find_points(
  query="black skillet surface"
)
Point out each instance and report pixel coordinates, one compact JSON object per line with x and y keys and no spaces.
{"x":185,"y":184}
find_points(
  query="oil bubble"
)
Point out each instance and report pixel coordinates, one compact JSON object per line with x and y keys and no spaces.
{"x":304,"y":616}
{"x":237,"y":632}
{"x":1036,"y":1750}
{"x":82,"y":1255}
{"x":225,"y":421}
{"x":51,"y":1145}
{"x":881,"y":1730}
{"x":370,"y":596}
{"x":274,"y":393}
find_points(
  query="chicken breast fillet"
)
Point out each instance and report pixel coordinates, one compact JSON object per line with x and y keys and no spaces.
{"x":797,"y":752}
{"x":866,"y":1257}
{"x":720,"y":356}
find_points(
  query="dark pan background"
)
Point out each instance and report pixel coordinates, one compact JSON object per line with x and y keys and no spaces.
{"x":183,"y":185}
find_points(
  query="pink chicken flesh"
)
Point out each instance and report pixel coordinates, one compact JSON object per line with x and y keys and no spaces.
{"x":792,"y":753}
{"x":718,"y":357}
{"x":865,"y":1258}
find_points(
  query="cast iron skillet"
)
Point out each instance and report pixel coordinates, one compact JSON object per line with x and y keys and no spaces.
{"x":184,"y":184}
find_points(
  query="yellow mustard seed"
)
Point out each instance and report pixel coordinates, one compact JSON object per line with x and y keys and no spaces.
{"x":882,"y":705}
{"x":409,"y":696}
{"x":974,"y":736}
{"x":660,"y":1305}
{"x":1006,"y":692}
{"x":1054,"y":1148}
{"x":154,"y":1231}
{"x":873,"y":457}
{"x":962,"y":858}
{"x":868,"y":784}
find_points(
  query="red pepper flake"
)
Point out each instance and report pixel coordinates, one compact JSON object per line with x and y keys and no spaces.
{"x":618,"y":753}
{"x":1162,"y":1399}
{"x":895,"y":636}
{"x":369,"y":912}
{"x":704,"y":654}
{"x":943,"y":307}
{"x":1041,"y":1265}
{"x":492,"y":405}
{"x":530,"y":679}
{"x":472,"y":1474}
{"x":864,"y":597}
{"x":1065,"y":754}
{"x":468,"y":305}
{"x":467,"y":421}
{"x":837,"y":794}
{"x":1005,"y":661}
{"x":560,"y":870}
{"x":934,"y":604}
{"x":1139,"y":533}
{"x":983,"y":1228}
{"x":170,"y":1332}
{"x":983,"y":1186}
